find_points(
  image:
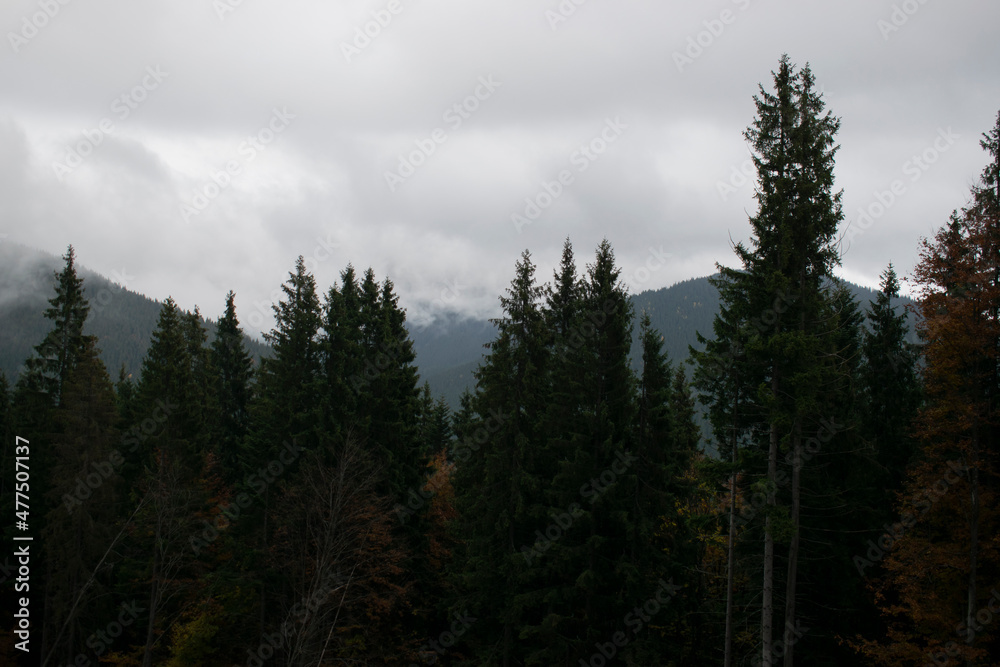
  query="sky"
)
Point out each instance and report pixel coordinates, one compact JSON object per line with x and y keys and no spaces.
{"x":188,"y":148}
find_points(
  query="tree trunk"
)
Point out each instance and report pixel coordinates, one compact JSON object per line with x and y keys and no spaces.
{"x":767,"y":596}
{"x":793,"y":550}
{"x":731,"y":549}
{"x":730,"y":569}
{"x":154,"y":592}
{"x":970,"y":614}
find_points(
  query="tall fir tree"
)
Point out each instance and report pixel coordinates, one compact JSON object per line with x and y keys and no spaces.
{"x":171,"y":402}
{"x":57,"y":353}
{"x":83,"y":500}
{"x":777,"y":301}
{"x":890,"y":385}
{"x":233,"y":368}
{"x":496,"y":492}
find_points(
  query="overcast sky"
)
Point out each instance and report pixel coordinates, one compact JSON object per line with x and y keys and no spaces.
{"x":189,"y":147}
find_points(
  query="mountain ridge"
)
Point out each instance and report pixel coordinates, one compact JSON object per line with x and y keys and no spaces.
{"x":447,"y":351}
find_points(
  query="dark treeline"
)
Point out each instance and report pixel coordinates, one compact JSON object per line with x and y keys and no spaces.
{"x":322,"y":508}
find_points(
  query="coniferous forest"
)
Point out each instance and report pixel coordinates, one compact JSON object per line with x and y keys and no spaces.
{"x":322,"y":507}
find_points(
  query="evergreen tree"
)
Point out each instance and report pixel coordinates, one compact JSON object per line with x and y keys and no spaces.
{"x":390,"y":399}
{"x":58,"y":352}
{"x":82,"y":497}
{"x":233,"y":368}
{"x":285,"y":415}
{"x":777,"y":299}
{"x":890,"y":385}
{"x":496,"y":493}
{"x":288,"y":405}
{"x":171,"y":395}
{"x":342,"y":355}
{"x":586,"y":582}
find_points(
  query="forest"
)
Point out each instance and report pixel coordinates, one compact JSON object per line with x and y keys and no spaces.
{"x":322,"y":507}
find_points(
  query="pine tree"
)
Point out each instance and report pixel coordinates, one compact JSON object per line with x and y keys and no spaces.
{"x":777,"y":301}
{"x":83,"y":500}
{"x":342,"y":355}
{"x":233,"y":368}
{"x":590,"y":584}
{"x":496,"y":492}
{"x":171,"y":395}
{"x":890,"y":385}
{"x":58,"y":352}
{"x":285,"y":415}
{"x":390,"y":398}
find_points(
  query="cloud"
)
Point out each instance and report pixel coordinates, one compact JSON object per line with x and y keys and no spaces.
{"x":318,"y":187}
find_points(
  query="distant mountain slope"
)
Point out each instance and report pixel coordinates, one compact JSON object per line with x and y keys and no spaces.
{"x":448,"y":351}
{"x":122,"y":320}
{"x":678,"y":312}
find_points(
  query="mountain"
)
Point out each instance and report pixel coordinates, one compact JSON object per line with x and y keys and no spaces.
{"x":448,"y":351}
{"x":678,"y":312}
{"x":122,"y":320}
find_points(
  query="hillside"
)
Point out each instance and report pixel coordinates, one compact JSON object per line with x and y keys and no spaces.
{"x":448,"y":351}
{"x":122,"y":320}
{"x":679,"y":312}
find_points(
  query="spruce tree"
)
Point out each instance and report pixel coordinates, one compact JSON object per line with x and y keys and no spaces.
{"x":288,"y":404}
{"x":777,"y":300}
{"x":82,"y":496}
{"x":496,"y":492}
{"x":57,"y":353}
{"x":171,"y":400}
{"x":233,"y":369}
{"x":890,"y":385}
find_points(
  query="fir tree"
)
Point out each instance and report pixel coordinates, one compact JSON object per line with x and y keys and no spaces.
{"x":83,"y":500}
{"x":57,"y":353}
{"x":233,"y":369}
{"x":890,"y":385}
{"x":496,"y":491}
{"x":777,"y":301}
